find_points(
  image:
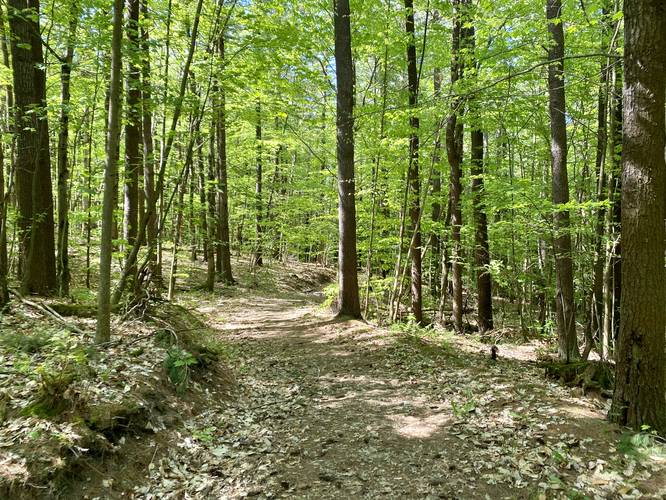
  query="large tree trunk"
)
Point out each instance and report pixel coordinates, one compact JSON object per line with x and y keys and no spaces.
{"x":413,"y":178}
{"x":133,"y":159}
{"x":223,"y":186}
{"x":481,"y":247}
{"x":103,"y":332}
{"x":33,"y":164}
{"x":454,"y":151}
{"x":349,"y":303}
{"x":566,"y":320}
{"x":640,"y":381}
{"x":154,"y":270}
{"x":63,"y":160}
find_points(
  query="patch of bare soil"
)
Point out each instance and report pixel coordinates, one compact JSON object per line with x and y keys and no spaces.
{"x":342,"y":409}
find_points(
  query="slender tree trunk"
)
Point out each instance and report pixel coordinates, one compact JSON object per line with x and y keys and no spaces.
{"x":62,"y":267}
{"x":33,"y":166}
{"x":640,"y":379}
{"x":133,"y":157}
{"x":349,"y":303}
{"x":223,"y":185}
{"x":103,"y":332}
{"x":613,"y":271}
{"x":413,"y":177}
{"x":565,"y":306}
{"x":597,"y":302}
{"x":210,"y":204}
{"x":4,"y":294}
{"x":257,"y":258}
{"x":151,"y":208}
{"x":454,"y":151}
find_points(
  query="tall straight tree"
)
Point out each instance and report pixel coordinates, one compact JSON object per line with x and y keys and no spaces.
{"x":481,"y":247}
{"x":257,"y":258}
{"x":4,"y":292}
{"x":33,"y":163}
{"x":640,"y":381}
{"x":413,"y":178}
{"x":454,"y":152}
{"x":565,"y":307}
{"x":223,"y":185}
{"x":63,"y":157}
{"x":349,"y":303}
{"x":133,"y":157}
{"x":148,"y":148}
{"x":103,"y":332}
{"x":484,"y":303}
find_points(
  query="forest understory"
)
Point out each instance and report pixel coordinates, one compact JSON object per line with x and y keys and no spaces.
{"x":260,"y":391}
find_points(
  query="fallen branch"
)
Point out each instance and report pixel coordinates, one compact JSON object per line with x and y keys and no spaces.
{"x":49,"y":312}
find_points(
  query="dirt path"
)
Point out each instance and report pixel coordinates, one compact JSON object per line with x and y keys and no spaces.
{"x":330,"y":409}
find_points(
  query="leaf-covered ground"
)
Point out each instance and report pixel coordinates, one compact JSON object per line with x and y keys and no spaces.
{"x":323,"y":408}
{"x":343,"y":409}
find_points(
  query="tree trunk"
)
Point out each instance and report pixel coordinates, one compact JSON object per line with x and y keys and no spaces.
{"x":62,"y":267}
{"x":148,"y":151}
{"x":33,"y":164}
{"x":413,"y":178}
{"x":640,"y":380}
{"x":103,"y":332}
{"x":454,"y":151}
{"x":133,"y":159}
{"x":565,"y":307}
{"x":597,"y":302}
{"x":481,"y":247}
{"x":4,"y":294}
{"x":223,"y":185}
{"x":257,"y":258}
{"x":151,"y":209}
{"x":349,"y":303}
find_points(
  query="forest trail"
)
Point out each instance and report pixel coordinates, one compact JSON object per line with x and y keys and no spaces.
{"x":341,"y":409}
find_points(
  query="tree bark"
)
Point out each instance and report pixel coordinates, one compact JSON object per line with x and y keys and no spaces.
{"x":33,"y":164}
{"x":640,"y":380}
{"x":103,"y":332}
{"x":481,"y":246}
{"x":223,"y":186}
{"x":454,"y":151}
{"x":349,"y":303}
{"x":565,"y":306}
{"x":257,"y":258}
{"x":4,"y":293}
{"x":154,"y":270}
{"x":133,"y":158}
{"x":413,"y":177}
{"x":62,"y":267}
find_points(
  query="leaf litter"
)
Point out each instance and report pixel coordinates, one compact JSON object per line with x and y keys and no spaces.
{"x":330,"y":409}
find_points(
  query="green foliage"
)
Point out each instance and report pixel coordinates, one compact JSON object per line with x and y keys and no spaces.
{"x":30,"y":342}
{"x":643,"y":444}
{"x":179,"y":364}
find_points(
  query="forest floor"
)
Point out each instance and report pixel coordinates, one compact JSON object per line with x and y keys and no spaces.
{"x":327,"y":408}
